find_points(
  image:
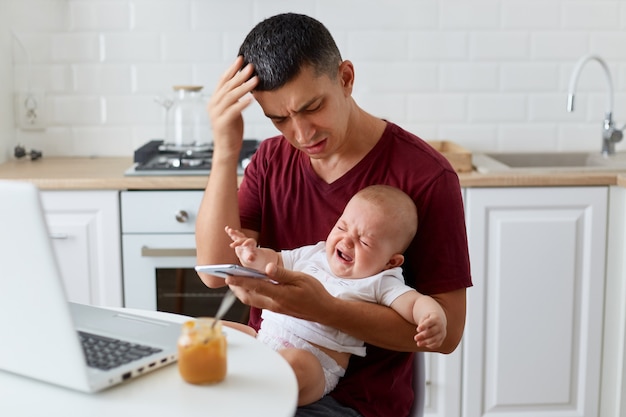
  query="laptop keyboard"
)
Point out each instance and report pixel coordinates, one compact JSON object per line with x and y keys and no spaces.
{"x":107,"y":353}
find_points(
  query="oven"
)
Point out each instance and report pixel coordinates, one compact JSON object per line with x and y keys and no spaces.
{"x":158,"y":255}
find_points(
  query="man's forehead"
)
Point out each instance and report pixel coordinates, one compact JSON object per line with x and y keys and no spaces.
{"x":283,"y":102}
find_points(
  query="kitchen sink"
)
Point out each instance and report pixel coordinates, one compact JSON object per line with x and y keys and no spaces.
{"x":548,"y":161}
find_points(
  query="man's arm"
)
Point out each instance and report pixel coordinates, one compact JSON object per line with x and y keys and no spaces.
{"x":383,"y":327}
{"x":299,"y":295}
{"x":219,"y":206}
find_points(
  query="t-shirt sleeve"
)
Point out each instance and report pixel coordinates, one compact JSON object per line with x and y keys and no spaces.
{"x":249,"y":194}
{"x":439,"y":253}
{"x":391,"y":286}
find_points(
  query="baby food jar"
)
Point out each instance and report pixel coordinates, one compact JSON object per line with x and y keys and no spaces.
{"x":202,"y":352}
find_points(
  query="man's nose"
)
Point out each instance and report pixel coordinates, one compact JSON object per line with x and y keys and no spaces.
{"x":302,"y":130}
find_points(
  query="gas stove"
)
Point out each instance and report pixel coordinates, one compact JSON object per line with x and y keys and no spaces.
{"x":159,"y":158}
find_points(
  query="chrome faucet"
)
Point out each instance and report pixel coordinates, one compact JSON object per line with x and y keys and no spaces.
{"x":610,"y":134}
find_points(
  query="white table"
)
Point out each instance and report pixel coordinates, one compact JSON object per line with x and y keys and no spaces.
{"x":259,"y":383}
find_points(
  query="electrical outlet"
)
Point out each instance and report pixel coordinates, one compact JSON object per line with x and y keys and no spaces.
{"x":30,"y":111}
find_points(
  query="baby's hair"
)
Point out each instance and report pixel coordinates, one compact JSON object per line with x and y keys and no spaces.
{"x":397,"y":206}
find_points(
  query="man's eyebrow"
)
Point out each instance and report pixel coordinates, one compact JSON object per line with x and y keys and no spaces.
{"x":300,"y":109}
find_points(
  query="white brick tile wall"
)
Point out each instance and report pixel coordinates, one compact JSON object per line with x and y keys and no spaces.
{"x":76,"y":110}
{"x":527,"y":137}
{"x":377,"y":46}
{"x":574,"y":137}
{"x":528,"y":77}
{"x":559,"y":46}
{"x":590,"y":15}
{"x":221,"y":16}
{"x":438,"y":46}
{"x":471,"y":15}
{"x":129,"y":110}
{"x":161,"y":15}
{"x":46,"y":77}
{"x":386,"y":106}
{"x":132,"y":47}
{"x":91,"y":141}
{"x":191,"y":47}
{"x":37,"y":15}
{"x":396,"y":77}
{"x":373,"y":14}
{"x":552,"y":107}
{"x":530,"y":15}
{"x":480,"y":77}
{"x":497,"y":107}
{"x":437,"y":108}
{"x":99,"y":15}
{"x":498,"y":46}
{"x":159,"y":78}
{"x":94,"y":78}
{"x":610,"y":45}
{"x":75,"y":47}
{"x":488,"y":74}
{"x":474,"y":136}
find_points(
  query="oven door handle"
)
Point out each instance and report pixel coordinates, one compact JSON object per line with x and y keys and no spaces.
{"x":167,"y":252}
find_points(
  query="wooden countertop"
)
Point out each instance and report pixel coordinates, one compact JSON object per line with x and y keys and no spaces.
{"x":100,"y":173}
{"x":107,"y":173}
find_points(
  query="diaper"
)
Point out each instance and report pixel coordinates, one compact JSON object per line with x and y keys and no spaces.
{"x":282,"y":339}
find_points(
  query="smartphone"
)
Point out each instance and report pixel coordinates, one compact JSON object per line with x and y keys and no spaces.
{"x":226,"y":270}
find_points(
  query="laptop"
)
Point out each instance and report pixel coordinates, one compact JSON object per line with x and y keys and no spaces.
{"x":42,"y":333}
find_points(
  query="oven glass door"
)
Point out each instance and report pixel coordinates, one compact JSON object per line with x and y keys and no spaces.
{"x":159,"y":275}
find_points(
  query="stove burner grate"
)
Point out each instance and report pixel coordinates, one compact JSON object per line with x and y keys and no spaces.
{"x":152,"y":159}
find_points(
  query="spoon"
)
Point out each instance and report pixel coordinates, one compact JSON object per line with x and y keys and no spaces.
{"x":225,"y":305}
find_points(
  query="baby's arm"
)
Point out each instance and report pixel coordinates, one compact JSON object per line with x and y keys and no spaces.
{"x":249,"y":253}
{"x":427,"y":314}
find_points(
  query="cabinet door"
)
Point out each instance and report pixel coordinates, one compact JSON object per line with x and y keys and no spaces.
{"x":442,"y":393}
{"x":85,"y":231}
{"x":614,"y":348}
{"x":532,"y":345}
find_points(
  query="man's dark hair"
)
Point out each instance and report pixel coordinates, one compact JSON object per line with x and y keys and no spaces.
{"x":281,"y":45}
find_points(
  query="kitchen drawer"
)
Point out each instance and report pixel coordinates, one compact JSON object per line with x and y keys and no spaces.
{"x":159,"y":211}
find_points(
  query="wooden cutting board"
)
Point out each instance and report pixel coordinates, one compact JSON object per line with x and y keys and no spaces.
{"x":459,"y":157}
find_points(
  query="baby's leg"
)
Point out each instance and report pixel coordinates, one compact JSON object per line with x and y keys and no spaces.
{"x":309,"y":374}
{"x":240,"y":326}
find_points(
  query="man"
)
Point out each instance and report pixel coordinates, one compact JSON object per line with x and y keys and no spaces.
{"x":295,"y":188}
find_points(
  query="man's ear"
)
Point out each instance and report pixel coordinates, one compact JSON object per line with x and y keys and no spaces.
{"x":346,"y":75}
{"x":396,"y":260}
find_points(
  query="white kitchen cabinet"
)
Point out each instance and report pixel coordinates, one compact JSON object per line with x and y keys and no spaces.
{"x":442,"y":393}
{"x":533,"y":340}
{"x":85,"y":231}
{"x":613,"y":388}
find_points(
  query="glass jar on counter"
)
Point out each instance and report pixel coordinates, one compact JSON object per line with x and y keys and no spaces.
{"x":202,"y":352}
{"x":187,"y":120}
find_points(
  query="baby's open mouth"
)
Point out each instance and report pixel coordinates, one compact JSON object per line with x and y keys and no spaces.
{"x":343,"y":256}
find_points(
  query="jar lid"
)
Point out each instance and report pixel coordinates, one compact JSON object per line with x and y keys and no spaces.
{"x":188,"y":87}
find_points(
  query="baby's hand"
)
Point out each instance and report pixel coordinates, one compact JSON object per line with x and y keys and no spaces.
{"x":431,"y":331}
{"x":245,"y":247}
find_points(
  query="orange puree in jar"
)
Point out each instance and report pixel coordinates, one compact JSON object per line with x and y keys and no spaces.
{"x":202,"y":352}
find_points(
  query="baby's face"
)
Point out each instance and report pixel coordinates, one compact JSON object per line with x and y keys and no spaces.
{"x":360,"y":244}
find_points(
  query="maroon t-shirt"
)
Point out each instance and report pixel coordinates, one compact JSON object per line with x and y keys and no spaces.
{"x":283,"y":199}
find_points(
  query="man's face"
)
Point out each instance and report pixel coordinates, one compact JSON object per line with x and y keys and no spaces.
{"x":311,"y":111}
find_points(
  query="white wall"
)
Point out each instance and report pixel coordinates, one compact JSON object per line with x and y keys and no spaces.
{"x":488,"y":74}
{"x":6,"y":84}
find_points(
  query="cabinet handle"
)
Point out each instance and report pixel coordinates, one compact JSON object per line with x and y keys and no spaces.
{"x":59,"y":236}
{"x":167,"y":252}
{"x":182,"y":216}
